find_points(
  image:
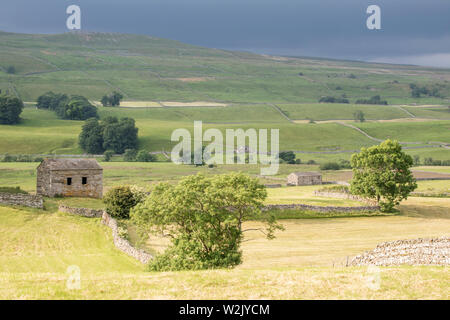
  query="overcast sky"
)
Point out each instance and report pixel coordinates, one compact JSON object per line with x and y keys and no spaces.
{"x":413,"y":31}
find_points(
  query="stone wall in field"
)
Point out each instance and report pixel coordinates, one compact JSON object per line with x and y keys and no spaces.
{"x":407,"y":252}
{"x":320,"y":209}
{"x":19,"y":199}
{"x":342,"y":195}
{"x":123,"y":244}
{"x":84,"y":212}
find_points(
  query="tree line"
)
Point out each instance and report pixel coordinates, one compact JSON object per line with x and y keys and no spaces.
{"x":74,"y":107}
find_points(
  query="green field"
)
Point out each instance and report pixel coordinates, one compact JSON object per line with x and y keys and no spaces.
{"x":304,"y":262}
{"x":336,"y":111}
{"x":42,"y":133}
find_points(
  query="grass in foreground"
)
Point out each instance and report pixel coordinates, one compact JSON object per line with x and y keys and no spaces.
{"x":304,"y":262}
{"x":300,"y":283}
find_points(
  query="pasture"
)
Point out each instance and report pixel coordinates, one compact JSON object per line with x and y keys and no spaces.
{"x":306,"y":261}
{"x":41,"y":132}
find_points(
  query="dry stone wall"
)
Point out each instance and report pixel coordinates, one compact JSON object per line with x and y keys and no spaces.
{"x":342,"y":195}
{"x":19,"y":199}
{"x":123,"y":244}
{"x":407,"y":252}
{"x":320,"y":209}
{"x":84,"y":212}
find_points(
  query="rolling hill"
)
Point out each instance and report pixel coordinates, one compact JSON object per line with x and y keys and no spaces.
{"x":253,"y":91}
{"x":148,"y":68}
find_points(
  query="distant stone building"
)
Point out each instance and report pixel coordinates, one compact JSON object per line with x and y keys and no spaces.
{"x":304,"y":179}
{"x":70,"y":178}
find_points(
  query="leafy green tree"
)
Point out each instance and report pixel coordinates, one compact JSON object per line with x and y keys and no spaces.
{"x":10,"y":109}
{"x":203,"y":217}
{"x":145,"y":156}
{"x":118,"y":202}
{"x":287,"y":156}
{"x":91,"y":137}
{"x":116,"y":97}
{"x":76,"y":108}
{"x":330,"y":166}
{"x":130,"y":155}
{"x":44,"y":101}
{"x":112,"y":99}
{"x":105,"y":101}
{"x":358,"y":115}
{"x":108,"y":155}
{"x":329,"y":99}
{"x":120,"y":135}
{"x":374,"y":100}
{"x":11,"y":70}
{"x":383,"y":173}
{"x":109,"y":134}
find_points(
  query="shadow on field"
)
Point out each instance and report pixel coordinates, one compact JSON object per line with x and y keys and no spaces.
{"x":427,"y":212}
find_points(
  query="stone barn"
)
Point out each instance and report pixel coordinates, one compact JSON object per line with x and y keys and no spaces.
{"x":304,"y":179}
{"x":70,"y":178}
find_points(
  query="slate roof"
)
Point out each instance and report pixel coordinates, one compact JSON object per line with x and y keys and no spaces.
{"x":71,"y":164}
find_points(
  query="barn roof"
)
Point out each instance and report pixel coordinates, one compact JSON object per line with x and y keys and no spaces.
{"x":72,"y":164}
{"x":307,"y":174}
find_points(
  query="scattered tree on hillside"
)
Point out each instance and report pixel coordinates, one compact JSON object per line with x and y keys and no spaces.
{"x":130,"y":155}
{"x":431,"y":91}
{"x":120,"y":135}
{"x":76,"y":108}
{"x":383,"y":173}
{"x":330,"y":166}
{"x":203,"y":217}
{"x":91,"y":137}
{"x":112,"y":100}
{"x":109,"y":134}
{"x":374,"y":100}
{"x":329,"y":99}
{"x":108,"y":154}
{"x":119,"y":200}
{"x":10,"y":109}
{"x":287,"y":156}
{"x":51,"y":100}
{"x":11,"y":70}
{"x":358,"y":115}
{"x":145,"y":156}
{"x":71,"y":108}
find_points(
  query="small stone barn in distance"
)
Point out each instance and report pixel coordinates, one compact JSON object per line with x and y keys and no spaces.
{"x":304,"y":179}
{"x":70,"y":178}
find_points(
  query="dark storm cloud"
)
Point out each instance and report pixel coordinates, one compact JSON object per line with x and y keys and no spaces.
{"x":326,"y":28}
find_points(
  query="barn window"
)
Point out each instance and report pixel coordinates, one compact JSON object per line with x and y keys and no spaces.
{"x":69,"y":181}
{"x":84,"y":180}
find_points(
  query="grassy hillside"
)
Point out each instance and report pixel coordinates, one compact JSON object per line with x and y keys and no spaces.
{"x":258,"y":92}
{"x":148,"y":68}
